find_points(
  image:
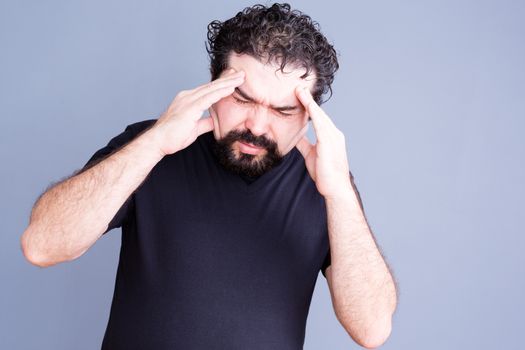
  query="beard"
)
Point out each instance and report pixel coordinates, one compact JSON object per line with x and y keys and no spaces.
{"x":250,"y":165}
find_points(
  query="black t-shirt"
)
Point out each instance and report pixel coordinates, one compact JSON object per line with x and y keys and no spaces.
{"x":209,"y":260}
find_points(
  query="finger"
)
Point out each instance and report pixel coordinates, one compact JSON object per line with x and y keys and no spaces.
{"x":214,"y":86}
{"x":300,"y":134}
{"x":216,"y":124}
{"x":231,"y":79}
{"x":204,"y":125}
{"x":204,"y":102}
{"x":227,"y":72}
{"x":306,"y":98}
{"x":232,"y":75}
{"x":304,"y":146}
{"x":319,"y":118}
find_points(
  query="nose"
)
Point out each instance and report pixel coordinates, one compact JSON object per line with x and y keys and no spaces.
{"x":258,"y":120}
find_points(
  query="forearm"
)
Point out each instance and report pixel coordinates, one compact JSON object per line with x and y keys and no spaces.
{"x":363,"y":290}
{"x":71,"y":216}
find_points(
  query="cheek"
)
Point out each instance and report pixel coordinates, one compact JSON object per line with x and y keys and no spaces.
{"x":229,"y":116}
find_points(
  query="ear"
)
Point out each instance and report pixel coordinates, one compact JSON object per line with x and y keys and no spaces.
{"x":213,"y":115}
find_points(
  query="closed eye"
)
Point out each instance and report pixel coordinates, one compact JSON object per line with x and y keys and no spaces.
{"x":285,"y":114}
{"x":241,"y":101}
{"x":245,"y":102}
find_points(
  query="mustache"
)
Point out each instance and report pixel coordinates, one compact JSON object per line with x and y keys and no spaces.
{"x":247,"y":137}
{"x":246,"y":164}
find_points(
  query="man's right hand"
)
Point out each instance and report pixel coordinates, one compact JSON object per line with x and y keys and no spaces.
{"x":181,"y":124}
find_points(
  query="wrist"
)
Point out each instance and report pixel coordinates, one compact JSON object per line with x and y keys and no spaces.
{"x":341,"y":191}
{"x":151,"y":140}
{"x":343,"y":194}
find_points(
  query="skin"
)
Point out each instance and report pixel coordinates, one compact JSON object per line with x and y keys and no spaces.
{"x":62,"y":229}
{"x":265,"y":104}
{"x":181,"y":123}
{"x":361,"y":286}
{"x":362,"y":289}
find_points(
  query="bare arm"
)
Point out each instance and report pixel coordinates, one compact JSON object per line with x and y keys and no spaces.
{"x":362,"y":288}
{"x":70,"y":217}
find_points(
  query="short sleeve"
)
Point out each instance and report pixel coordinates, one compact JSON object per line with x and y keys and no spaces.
{"x":116,"y":143}
{"x":327,"y":261}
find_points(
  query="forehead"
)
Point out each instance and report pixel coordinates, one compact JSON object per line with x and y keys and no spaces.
{"x":266,"y":82}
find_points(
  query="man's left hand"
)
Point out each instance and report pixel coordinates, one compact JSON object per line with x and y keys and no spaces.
{"x":325,"y":160}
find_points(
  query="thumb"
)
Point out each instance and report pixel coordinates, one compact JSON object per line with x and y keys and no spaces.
{"x":204,"y":125}
{"x":304,"y":146}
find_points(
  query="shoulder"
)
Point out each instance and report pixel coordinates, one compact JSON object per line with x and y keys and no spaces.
{"x":116,"y":142}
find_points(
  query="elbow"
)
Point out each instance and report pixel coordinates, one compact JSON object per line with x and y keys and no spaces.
{"x":30,"y":254}
{"x":371,"y":336}
{"x":32,"y":257}
{"x":35,"y":256}
{"x":376,"y":337}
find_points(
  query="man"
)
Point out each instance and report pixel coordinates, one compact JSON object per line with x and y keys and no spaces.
{"x":227,"y":220}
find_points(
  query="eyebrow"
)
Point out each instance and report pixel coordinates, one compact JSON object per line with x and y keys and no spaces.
{"x":280,"y":109}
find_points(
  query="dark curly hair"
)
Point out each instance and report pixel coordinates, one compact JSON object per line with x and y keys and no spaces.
{"x":275,"y":34}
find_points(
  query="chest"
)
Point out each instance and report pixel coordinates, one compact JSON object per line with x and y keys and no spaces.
{"x":199,"y":219}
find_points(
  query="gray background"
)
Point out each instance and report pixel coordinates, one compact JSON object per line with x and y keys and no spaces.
{"x":430,"y":95}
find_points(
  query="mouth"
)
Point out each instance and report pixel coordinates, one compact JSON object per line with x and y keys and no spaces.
{"x":249,"y":148}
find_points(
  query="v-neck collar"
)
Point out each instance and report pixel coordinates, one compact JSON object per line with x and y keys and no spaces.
{"x":270,"y":176}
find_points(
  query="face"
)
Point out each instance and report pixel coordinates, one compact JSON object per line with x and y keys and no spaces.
{"x":263,"y":119}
